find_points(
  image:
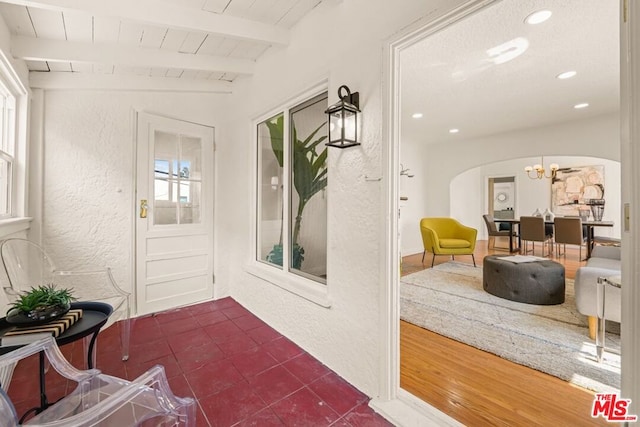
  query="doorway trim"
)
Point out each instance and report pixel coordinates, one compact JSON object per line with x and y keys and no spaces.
{"x":395,"y":403}
{"x":489,"y":192}
{"x":630,"y":165}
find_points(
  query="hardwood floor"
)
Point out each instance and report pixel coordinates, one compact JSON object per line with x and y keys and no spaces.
{"x":478,"y":388}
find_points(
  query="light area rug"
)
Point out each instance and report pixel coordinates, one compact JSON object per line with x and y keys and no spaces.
{"x":449,"y":300}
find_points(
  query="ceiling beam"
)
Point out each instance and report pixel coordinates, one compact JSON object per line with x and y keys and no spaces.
{"x":81,"y":81}
{"x":158,"y":12}
{"x":33,"y":49}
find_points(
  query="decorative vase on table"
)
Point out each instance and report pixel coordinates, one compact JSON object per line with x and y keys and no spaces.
{"x":584,"y":214}
{"x":536,"y":213}
{"x":597,"y":208}
{"x":38,"y":316}
{"x":40,"y":305}
{"x":548,"y":215}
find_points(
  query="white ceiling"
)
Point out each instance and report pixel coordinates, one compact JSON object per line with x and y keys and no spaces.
{"x":449,"y":78}
{"x":211,"y":42}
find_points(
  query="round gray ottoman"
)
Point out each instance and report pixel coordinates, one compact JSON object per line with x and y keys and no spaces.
{"x":539,"y":282}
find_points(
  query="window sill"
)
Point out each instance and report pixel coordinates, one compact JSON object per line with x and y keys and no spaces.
{"x":312,"y":291}
{"x":14,"y":225}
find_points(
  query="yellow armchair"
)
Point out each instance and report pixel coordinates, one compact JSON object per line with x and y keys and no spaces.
{"x":446,"y":236}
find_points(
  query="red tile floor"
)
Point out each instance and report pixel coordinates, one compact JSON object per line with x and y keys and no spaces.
{"x":241,"y":371}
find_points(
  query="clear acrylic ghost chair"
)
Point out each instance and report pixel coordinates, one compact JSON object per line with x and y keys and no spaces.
{"x":27,"y":265}
{"x":99,"y":399}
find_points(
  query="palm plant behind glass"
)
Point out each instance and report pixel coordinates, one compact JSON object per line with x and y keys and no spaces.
{"x":309,"y":177}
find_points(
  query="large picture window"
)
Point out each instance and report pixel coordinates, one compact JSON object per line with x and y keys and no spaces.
{"x":291,"y":190}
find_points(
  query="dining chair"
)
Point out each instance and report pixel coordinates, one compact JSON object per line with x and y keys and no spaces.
{"x":98,"y":399}
{"x":532,"y":229}
{"x":493,"y":232}
{"x":27,"y":265}
{"x":568,"y":231}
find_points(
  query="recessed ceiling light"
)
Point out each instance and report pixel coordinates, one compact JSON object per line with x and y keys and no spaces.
{"x":538,"y":17}
{"x":454,"y":130}
{"x":566,"y":75}
{"x":417,"y":115}
{"x":581,"y":105}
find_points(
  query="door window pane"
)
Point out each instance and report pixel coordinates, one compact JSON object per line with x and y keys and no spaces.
{"x":189,"y":197}
{"x":190,"y":160}
{"x":165,"y":157}
{"x":177,"y":179}
{"x":161,"y":181}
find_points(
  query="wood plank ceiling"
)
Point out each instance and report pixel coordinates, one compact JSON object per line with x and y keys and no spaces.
{"x":175,"y":44}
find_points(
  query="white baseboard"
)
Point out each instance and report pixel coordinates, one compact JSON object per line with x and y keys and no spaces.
{"x":409,"y":411}
{"x":412,"y":251}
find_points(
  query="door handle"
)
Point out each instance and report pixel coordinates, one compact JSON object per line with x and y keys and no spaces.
{"x":143,"y":208}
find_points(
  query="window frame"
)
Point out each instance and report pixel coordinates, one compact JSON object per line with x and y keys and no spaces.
{"x":300,"y":107}
{"x":281,"y":276}
{"x":8,"y":125}
{"x":16,"y":219}
{"x":6,"y":157}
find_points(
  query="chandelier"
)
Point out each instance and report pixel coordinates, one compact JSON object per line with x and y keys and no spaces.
{"x":539,"y":172}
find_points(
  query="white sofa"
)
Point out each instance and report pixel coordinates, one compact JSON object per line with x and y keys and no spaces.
{"x":604,"y":262}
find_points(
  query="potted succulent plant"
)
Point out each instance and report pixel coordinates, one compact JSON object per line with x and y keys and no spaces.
{"x":40,"y":305}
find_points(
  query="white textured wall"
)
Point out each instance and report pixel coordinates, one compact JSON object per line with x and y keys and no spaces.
{"x":342,"y":42}
{"x":88,"y":172}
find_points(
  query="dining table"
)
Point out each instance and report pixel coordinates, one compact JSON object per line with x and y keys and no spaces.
{"x":590,"y":226}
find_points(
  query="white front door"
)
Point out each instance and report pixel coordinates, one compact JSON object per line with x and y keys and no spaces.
{"x":174,"y":218}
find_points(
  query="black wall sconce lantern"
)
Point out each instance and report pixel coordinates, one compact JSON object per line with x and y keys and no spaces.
{"x":343,"y":119}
